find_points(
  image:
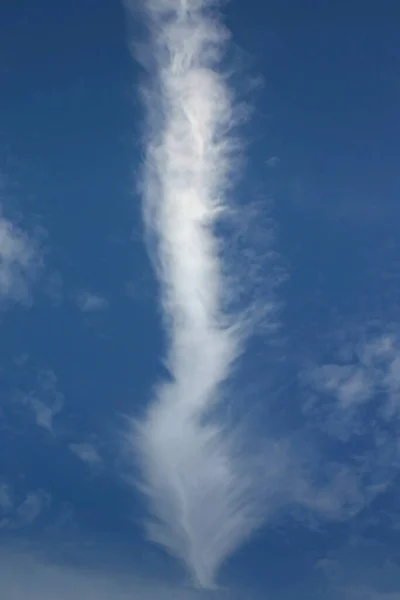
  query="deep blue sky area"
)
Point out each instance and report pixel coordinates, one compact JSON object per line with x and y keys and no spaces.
{"x":82,"y":343}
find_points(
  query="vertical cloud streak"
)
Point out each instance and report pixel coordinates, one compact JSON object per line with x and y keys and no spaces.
{"x":199,"y":496}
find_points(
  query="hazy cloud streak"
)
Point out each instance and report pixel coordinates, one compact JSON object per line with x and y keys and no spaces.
{"x":202,"y":500}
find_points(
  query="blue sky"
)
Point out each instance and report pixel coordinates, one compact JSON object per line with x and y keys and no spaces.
{"x":312,"y":253}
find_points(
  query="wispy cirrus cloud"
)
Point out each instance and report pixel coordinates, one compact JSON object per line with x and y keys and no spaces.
{"x":20,"y":509}
{"x":201,"y":490}
{"x":28,"y":574}
{"x":354,"y":402}
{"x":87,"y":453}
{"x":45,"y":401}
{"x":20,"y":262}
{"x":370,"y":369}
{"x":205,"y":492}
{"x":90,"y":302}
{"x":273,"y":162}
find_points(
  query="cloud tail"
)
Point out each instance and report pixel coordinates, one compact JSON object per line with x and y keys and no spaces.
{"x":198,"y":494}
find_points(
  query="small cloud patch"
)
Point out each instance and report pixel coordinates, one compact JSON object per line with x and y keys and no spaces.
{"x":18,"y":510}
{"x":20,"y":262}
{"x":372,"y":369}
{"x":88,"y":302}
{"x":46,"y":401}
{"x":273,"y":162}
{"x":86,"y":452}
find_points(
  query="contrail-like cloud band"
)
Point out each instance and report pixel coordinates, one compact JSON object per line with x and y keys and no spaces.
{"x":199,"y":497}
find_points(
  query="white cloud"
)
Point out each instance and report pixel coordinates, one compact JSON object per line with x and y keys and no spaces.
{"x":46,"y":401}
{"x":20,"y":262}
{"x":32,"y":506}
{"x":24,"y":575}
{"x":356,"y":402}
{"x":44,"y":413}
{"x":205,"y":492}
{"x":18,"y":510}
{"x":371,"y":369}
{"x":86,"y":452}
{"x":273,"y":162}
{"x":201,"y":490}
{"x":89,"y":302}
{"x":350,"y":384}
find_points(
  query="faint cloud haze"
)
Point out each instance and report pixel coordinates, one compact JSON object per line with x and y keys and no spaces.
{"x":45,"y":401}
{"x":20,"y":263}
{"x":20,"y":509}
{"x":89,"y":302}
{"x":86,"y":452}
{"x":372,"y":369}
{"x":28,"y":575}
{"x":273,"y":162}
